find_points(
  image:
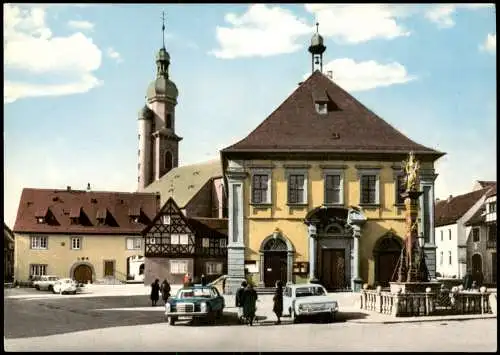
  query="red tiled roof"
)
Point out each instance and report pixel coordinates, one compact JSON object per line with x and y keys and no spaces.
{"x":219,"y":224}
{"x":348,"y":127}
{"x":450,"y":210}
{"x":487,"y":183}
{"x":62,"y":204}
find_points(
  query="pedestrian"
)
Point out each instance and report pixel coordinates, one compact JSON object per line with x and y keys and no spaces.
{"x":278,"y":301}
{"x":165,"y":291}
{"x":185,"y":280}
{"x":239,"y":300}
{"x":203,"y":280}
{"x":155,"y":292}
{"x":468,"y":280}
{"x":249,"y":300}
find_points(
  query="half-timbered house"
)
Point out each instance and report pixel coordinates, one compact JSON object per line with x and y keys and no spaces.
{"x":176,"y":245}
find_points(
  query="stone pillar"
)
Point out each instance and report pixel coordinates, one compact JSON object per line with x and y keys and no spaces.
{"x":312,"y":252}
{"x":235,"y":247}
{"x":289,"y":267}
{"x":427,"y":179}
{"x":356,"y":280}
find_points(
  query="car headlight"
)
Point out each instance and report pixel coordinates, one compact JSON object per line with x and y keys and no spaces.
{"x":334,"y":307}
{"x":203,"y":306}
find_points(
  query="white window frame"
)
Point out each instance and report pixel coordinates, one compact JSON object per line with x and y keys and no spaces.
{"x":268,"y":173}
{"x":449,"y":234}
{"x":334,"y":172}
{"x":165,"y":219}
{"x":183,"y":239}
{"x":76,"y":243}
{"x":152,"y":240}
{"x":476,"y":229}
{"x":205,"y":242}
{"x":38,"y":269}
{"x":213,"y":267}
{"x":179,"y":267}
{"x":174,"y":239}
{"x":294,"y":171}
{"x":222,"y":243}
{"x":450,"y":259}
{"x":442,"y":235}
{"x":321,"y":108}
{"x":134,"y":243}
{"x":369,"y":172}
{"x":39,"y":242}
{"x":441,"y":258}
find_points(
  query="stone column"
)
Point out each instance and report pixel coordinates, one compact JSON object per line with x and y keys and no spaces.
{"x":312,"y":252}
{"x":427,"y":179}
{"x":289,"y":269}
{"x":356,"y":280}
{"x":235,"y":247}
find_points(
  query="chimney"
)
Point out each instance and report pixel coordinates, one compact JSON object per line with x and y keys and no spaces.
{"x":88,"y":186}
{"x":68,"y":188}
{"x":437,"y":199}
{"x":329,"y":74}
{"x":301,"y":82}
{"x":449,"y":198}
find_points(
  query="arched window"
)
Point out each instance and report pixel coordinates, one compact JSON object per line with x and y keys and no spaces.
{"x":169,"y":120}
{"x":168,"y":161}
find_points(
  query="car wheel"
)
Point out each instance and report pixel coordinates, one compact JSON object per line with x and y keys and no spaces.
{"x":172,"y":321}
{"x":73,"y":293}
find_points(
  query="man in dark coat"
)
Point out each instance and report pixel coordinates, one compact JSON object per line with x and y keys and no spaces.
{"x":239,"y":300}
{"x":155,"y":292}
{"x":278,"y":301}
{"x":249,"y":300}
{"x":468,"y":280}
{"x":203,"y":280}
{"x":165,"y":291}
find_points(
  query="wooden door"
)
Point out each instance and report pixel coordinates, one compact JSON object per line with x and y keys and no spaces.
{"x":109,"y":268}
{"x":333,"y":269}
{"x":83,"y":274}
{"x":386,"y":264}
{"x":275,"y":268}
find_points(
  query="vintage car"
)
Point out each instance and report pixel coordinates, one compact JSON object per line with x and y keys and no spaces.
{"x":66,"y":286}
{"x":195,"y":302}
{"x":305,"y":300}
{"x":45,"y":282}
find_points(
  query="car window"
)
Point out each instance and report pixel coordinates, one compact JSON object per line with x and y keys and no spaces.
{"x":319,"y":291}
{"x":194,"y":292}
{"x":215,"y":292}
{"x":53,"y":278}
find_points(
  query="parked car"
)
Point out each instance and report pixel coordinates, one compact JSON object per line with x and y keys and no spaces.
{"x":45,"y":283}
{"x":66,"y":286}
{"x":195,"y":302}
{"x":305,"y":300}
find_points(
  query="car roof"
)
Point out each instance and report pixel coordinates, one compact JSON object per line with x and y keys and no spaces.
{"x":197,"y":286}
{"x":305,"y":285}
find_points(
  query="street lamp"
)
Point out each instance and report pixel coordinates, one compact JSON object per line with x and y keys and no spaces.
{"x":421,"y":240}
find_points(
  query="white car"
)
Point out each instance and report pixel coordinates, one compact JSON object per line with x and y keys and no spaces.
{"x":304,"y":300}
{"x":65,"y":286}
{"x":45,"y":282}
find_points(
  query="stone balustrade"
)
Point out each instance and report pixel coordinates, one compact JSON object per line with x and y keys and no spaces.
{"x":425,"y":303}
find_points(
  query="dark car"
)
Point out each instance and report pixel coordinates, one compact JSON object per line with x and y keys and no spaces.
{"x":195,"y":302}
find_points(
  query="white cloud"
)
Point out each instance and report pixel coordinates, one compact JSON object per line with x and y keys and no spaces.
{"x":361,"y":76}
{"x":261,"y":31}
{"x":356,"y":23}
{"x":81,"y":25}
{"x":490,"y":44}
{"x":442,"y":14}
{"x":114,"y":55}
{"x":30,"y":46}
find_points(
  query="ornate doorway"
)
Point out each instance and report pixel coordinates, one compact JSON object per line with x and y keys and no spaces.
{"x":83,"y":273}
{"x":387,"y":252}
{"x":275,"y":262}
{"x":333,"y":269}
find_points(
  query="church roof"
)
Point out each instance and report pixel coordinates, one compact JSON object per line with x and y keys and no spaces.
{"x":184,"y":182}
{"x":347,"y":127}
{"x":60,"y":206}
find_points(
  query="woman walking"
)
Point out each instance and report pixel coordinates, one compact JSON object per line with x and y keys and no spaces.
{"x":278,"y":301}
{"x":155,"y":292}
{"x":249,"y":300}
{"x":165,"y":291}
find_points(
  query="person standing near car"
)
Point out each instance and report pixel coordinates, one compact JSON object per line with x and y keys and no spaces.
{"x":165,"y":291}
{"x":278,"y":301}
{"x":249,"y":301}
{"x":155,"y":292}
{"x":239,"y":300}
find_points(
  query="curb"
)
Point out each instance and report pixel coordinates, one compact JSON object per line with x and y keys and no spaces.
{"x":423,"y":319}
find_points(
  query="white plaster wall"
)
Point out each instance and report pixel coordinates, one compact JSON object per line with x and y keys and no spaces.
{"x":490,"y":216}
{"x":134,"y":265}
{"x":446,"y":245}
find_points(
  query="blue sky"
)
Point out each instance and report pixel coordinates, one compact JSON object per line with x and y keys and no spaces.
{"x":76,"y":76}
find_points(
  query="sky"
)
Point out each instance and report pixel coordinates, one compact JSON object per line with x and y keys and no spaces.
{"x":76,"y":77}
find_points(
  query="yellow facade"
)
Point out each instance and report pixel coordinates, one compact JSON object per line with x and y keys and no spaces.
{"x":61,"y":259}
{"x":261,"y":221}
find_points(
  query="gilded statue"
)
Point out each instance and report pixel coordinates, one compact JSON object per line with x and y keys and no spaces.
{"x":411,"y":168}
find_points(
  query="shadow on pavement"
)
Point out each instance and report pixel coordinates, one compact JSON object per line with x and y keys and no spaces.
{"x":228,"y":319}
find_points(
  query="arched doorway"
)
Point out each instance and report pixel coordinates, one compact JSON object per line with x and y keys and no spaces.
{"x":141,"y":269}
{"x":83,"y":273}
{"x":477,"y":268}
{"x":275,"y":261}
{"x":387,"y":252}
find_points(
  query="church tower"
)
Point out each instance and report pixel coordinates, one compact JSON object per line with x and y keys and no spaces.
{"x":158,"y":143}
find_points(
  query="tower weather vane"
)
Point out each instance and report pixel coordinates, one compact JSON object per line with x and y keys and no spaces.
{"x":163,"y":27}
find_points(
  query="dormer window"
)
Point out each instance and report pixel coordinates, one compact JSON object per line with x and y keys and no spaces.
{"x":40,"y":220}
{"x":74,"y":220}
{"x":322,"y":108}
{"x":165,"y":219}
